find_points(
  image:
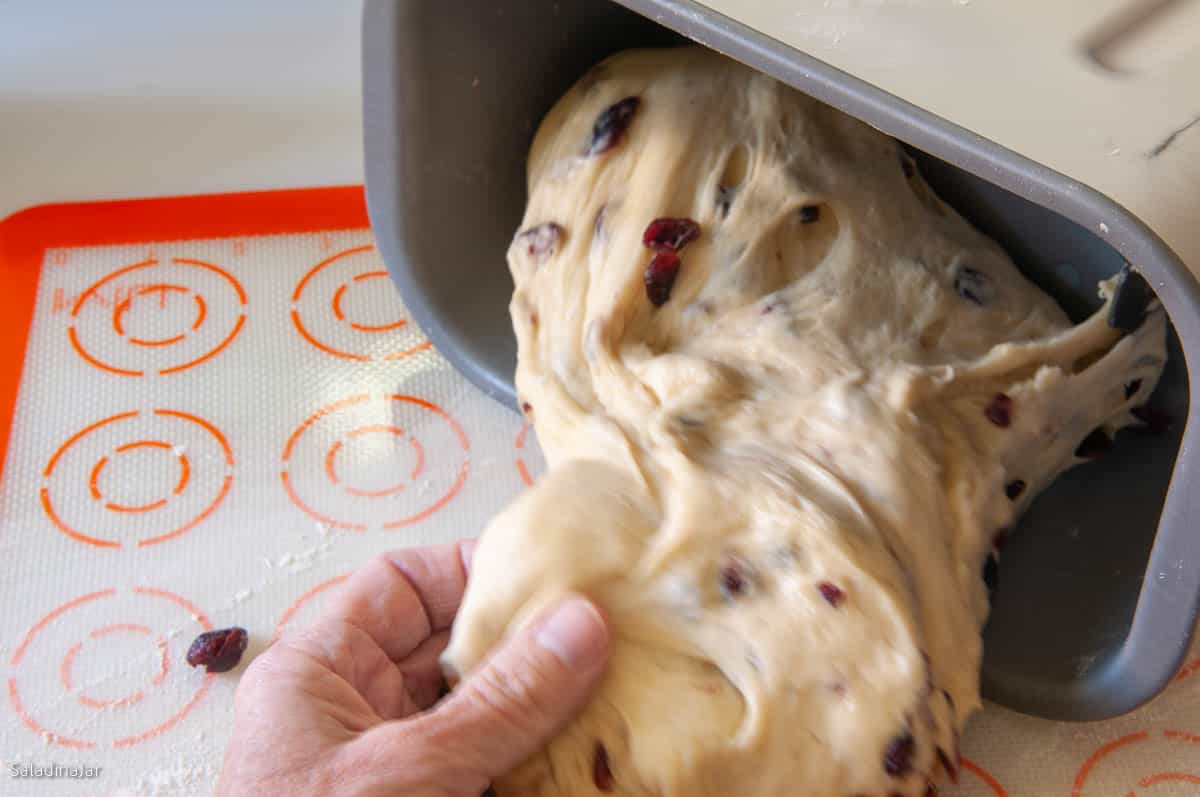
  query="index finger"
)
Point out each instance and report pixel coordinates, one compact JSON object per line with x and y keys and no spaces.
{"x":402,"y":597}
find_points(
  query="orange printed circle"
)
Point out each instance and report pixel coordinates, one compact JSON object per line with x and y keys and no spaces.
{"x":185,"y":470}
{"x":128,"y":726}
{"x":320,"y":316}
{"x":105,"y":522}
{"x":66,"y":668}
{"x":1175,"y":745}
{"x":303,"y":600}
{"x":967,"y":765}
{"x":430,"y":444}
{"x":522,"y":468}
{"x":95,"y":328}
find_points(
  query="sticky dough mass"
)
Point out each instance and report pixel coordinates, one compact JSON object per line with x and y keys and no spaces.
{"x":782,"y":485}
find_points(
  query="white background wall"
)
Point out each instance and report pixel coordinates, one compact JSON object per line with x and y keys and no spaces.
{"x":127,"y":98}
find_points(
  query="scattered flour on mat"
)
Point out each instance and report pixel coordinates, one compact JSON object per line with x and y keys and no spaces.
{"x":304,"y":560}
{"x":182,"y":778}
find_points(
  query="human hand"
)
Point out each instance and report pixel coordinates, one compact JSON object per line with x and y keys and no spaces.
{"x":350,"y":706}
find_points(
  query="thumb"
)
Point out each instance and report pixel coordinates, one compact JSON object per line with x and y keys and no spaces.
{"x":525,"y":692}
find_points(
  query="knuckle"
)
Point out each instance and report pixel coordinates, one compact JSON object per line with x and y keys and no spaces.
{"x":262,"y":676}
{"x":383,"y":561}
{"x":257,"y":672}
{"x":404,"y":562}
{"x":515,"y":694}
{"x":328,"y":641}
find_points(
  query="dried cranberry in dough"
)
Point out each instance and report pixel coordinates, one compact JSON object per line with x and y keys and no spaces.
{"x":772,"y":483}
{"x":611,"y":125}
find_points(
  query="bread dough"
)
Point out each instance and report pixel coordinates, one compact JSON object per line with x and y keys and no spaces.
{"x":783,"y":484}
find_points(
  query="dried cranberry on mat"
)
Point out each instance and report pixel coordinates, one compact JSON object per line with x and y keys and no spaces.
{"x":611,"y":125}
{"x":218,"y":651}
{"x":999,"y":410}
{"x":660,"y":277}
{"x":671,"y":235}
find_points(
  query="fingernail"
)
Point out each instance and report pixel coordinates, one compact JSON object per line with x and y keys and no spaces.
{"x":574,"y":632}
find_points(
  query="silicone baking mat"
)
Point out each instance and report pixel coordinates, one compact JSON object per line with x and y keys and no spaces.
{"x":219,"y":410}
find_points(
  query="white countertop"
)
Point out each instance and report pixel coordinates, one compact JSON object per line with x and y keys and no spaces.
{"x":123,"y":98}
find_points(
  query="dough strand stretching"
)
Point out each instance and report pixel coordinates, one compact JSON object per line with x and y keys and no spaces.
{"x":789,"y":399}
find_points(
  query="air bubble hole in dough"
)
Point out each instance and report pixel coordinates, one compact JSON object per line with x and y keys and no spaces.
{"x":791,"y":403}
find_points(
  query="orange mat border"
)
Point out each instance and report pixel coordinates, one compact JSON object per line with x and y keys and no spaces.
{"x":26,"y":235}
